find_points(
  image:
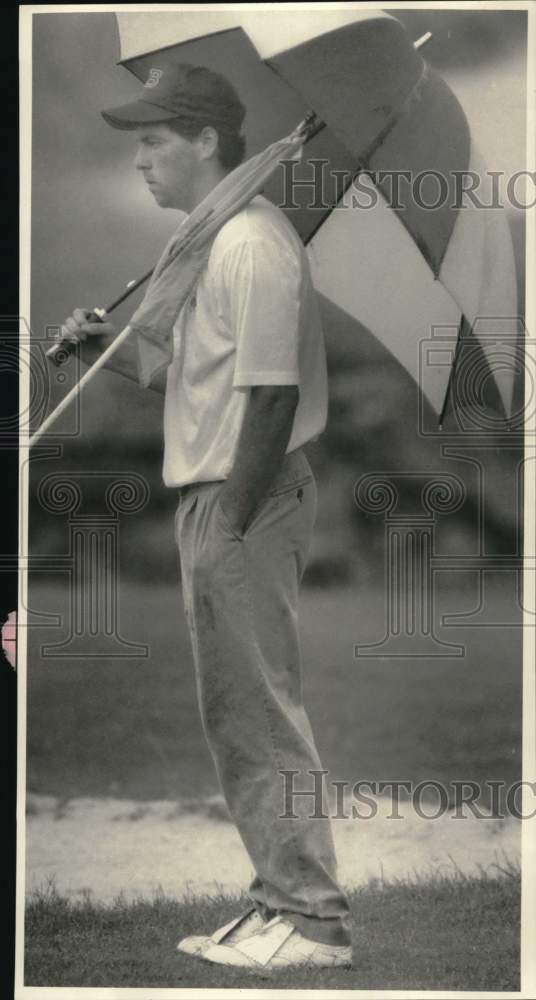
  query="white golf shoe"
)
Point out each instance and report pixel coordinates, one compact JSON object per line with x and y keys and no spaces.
{"x":276,"y":945}
{"x":241,"y":927}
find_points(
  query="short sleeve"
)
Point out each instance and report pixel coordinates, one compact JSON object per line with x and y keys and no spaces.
{"x":262,"y":284}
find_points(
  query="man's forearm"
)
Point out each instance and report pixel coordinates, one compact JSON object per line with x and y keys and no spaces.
{"x":261,"y":448}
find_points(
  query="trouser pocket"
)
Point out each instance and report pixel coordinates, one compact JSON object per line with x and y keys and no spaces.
{"x":291,"y":481}
{"x":295,"y":471}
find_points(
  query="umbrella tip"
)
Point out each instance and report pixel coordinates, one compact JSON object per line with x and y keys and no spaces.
{"x":422,"y":40}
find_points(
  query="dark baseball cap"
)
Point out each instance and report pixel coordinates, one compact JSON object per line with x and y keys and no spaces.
{"x":193,"y":93}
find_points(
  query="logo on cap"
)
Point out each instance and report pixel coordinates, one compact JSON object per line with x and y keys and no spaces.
{"x":154,"y":77}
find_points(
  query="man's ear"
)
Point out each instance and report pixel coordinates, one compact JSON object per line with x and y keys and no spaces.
{"x":208,"y":143}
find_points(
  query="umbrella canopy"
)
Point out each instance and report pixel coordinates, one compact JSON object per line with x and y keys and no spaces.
{"x":403,"y":271}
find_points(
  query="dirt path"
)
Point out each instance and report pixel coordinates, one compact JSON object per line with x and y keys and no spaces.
{"x":108,"y":846}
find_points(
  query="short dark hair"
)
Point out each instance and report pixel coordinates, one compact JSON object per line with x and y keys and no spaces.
{"x":231,"y":144}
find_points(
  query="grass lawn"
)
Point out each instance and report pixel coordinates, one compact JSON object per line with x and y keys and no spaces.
{"x":440,"y":934}
{"x":130,"y":728}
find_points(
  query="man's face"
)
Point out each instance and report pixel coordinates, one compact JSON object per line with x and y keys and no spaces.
{"x":169,"y":165}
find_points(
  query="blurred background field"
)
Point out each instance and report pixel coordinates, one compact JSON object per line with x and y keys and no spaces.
{"x":130,"y":728}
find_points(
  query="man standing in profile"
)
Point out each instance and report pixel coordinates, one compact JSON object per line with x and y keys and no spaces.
{"x":246,"y":388}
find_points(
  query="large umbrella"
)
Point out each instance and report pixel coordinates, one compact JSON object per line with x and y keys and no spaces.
{"x":406,"y":262}
{"x":404,"y":272}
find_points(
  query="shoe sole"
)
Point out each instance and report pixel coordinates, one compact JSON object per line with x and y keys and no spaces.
{"x":263,"y":973}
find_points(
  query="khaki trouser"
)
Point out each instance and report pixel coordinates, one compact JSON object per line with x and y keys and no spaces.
{"x":241,"y":597}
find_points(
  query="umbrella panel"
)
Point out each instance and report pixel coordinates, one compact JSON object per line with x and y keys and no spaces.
{"x":356,"y":78}
{"x":393,"y":115}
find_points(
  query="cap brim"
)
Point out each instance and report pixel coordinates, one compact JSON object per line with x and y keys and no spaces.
{"x":129,"y":116}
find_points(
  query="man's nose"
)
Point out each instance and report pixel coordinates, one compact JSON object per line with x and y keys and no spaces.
{"x":141,"y":160}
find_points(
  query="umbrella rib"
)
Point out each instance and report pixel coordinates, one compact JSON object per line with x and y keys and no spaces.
{"x":446,"y":400}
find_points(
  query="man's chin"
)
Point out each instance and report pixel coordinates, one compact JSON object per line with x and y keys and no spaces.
{"x":165,"y":200}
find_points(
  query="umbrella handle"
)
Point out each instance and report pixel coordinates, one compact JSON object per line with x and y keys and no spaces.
{"x":59,"y":353}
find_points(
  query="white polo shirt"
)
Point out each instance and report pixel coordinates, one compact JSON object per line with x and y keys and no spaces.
{"x":252,"y":320}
